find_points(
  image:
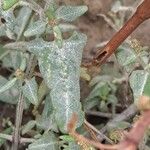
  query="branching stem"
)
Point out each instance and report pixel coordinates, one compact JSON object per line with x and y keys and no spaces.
{"x":142,"y":13}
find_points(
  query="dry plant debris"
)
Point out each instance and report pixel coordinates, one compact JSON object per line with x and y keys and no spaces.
{"x":130,"y":141}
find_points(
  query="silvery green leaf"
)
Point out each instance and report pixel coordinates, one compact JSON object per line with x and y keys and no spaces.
{"x":10,"y":23}
{"x":22,"y":20}
{"x":28,"y":126}
{"x":125,"y":56}
{"x":49,"y":30}
{"x":48,"y":107}
{"x":3,"y":52}
{"x":10,"y":34}
{"x":61,"y":71}
{"x":116,"y":6}
{"x":13,"y":60}
{"x":47,"y":120}
{"x":67,"y":138}
{"x":2,"y":31}
{"x":23,"y":63}
{"x":90,"y":103}
{"x":8,"y":85}
{"x":7,"y":61}
{"x":140,"y":83}
{"x":60,"y":68}
{"x":36,"y":28}
{"x":6,"y":131}
{"x":58,"y":36}
{"x":144,"y":55}
{"x":16,"y":59}
{"x":64,"y":27}
{"x":30,"y":91}
{"x":10,"y":96}
{"x":42,"y":91}
{"x":46,"y":142}
{"x":20,"y":46}
{"x":36,"y":46}
{"x":47,"y":123}
{"x":50,"y":2}
{"x":70,"y":13}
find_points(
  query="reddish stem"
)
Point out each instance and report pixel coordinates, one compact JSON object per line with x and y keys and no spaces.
{"x":137,"y":132}
{"x":142,"y":13}
{"x":130,"y":142}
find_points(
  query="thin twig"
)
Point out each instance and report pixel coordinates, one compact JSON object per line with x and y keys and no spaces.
{"x":126,"y":114}
{"x":20,"y":106}
{"x":10,"y":138}
{"x":100,"y":114}
{"x":108,"y":21}
{"x":125,"y":8}
{"x":19,"y":113}
{"x":91,"y":132}
{"x":98,"y":132}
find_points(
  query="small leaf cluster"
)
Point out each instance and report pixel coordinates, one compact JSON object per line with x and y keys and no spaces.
{"x":44,"y":66}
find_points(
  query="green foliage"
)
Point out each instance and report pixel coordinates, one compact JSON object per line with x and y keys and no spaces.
{"x":6,"y":131}
{"x":11,"y":92}
{"x":8,"y":85}
{"x":28,"y":127}
{"x":67,"y":138}
{"x":58,"y":95}
{"x":70,"y":13}
{"x":47,"y":142}
{"x":43,"y":66}
{"x":60,"y":73}
{"x":125,"y":56}
{"x":140,"y":83}
{"x":8,"y":4}
{"x":102,"y":93}
{"x":30,"y":91}
{"x":36,"y":28}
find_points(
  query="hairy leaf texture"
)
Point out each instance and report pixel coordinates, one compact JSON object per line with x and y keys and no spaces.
{"x":60,"y":68}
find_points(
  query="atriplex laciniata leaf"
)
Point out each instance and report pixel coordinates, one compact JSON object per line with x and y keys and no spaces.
{"x":8,"y":85}
{"x":70,"y":13}
{"x":140,"y":83}
{"x":35,"y":28}
{"x":11,"y":94}
{"x":60,"y":68}
{"x":30,"y":91}
{"x":47,"y":142}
